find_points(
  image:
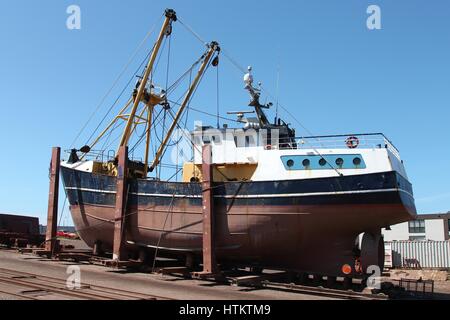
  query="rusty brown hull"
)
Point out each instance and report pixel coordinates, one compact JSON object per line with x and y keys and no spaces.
{"x":307,"y":239}
{"x":314,"y":233}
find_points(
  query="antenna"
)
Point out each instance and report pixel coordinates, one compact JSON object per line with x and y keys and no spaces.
{"x":278,"y":92}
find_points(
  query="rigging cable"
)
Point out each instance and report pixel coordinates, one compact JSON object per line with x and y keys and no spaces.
{"x":105,"y":144}
{"x":306,"y":129}
{"x":169,"y":211}
{"x":200,"y":39}
{"x":125,"y":88}
{"x":242,"y":70}
{"x":217,"y":97}
{"x":141,"y":137}
{"x":118,"y":98}
{"x":196,"y":35}
{"x":184,"y":75}
{"x":197,"y":109}
{"x":192,"y":96}
{"x":188,"y":103}
{"x":168,"y":62}
{"x":125,"y":68}
{"x":233,"y":62}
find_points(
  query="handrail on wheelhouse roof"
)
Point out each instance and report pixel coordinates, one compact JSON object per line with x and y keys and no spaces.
{"x":351,"y":134}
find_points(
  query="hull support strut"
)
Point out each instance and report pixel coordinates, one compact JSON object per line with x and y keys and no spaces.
{"x":210,"y":268}
{"x":121,"y":206}
{"x":51,"y":243}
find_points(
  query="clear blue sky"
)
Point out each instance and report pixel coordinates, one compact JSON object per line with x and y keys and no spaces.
{"x":336,"y":76}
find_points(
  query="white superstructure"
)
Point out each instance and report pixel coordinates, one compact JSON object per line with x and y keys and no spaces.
{"x":277,"y":161}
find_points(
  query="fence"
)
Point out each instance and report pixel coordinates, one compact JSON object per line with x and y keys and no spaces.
{"x":420,"y":254}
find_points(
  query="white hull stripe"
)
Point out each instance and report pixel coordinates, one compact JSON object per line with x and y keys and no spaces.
{"x":250,"y":196}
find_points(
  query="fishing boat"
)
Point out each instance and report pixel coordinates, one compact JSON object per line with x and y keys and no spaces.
{"x":308,"y":204}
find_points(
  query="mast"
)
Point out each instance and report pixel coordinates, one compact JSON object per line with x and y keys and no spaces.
{"x":213,"y":47}
{"x":165,"y":31}
{"x":147,"y":141}
{"x":255,"y":95}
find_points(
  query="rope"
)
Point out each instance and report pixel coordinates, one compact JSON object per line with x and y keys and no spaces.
{"x":177,"y":171}
{"x":161,"y":234}
{"x":58,"y":224}
{"x":62,"y":211}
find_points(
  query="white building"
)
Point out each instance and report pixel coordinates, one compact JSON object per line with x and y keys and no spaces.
{"x":434,"y":227}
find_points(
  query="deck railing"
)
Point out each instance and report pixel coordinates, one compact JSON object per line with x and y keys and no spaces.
{"x":363,"y":140}
{"x":105,"y":156}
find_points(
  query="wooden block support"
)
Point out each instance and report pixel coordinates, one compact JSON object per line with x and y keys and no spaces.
{"x":120,"y":211}
{"x":209,"y":257}
{"x":53,"y":194}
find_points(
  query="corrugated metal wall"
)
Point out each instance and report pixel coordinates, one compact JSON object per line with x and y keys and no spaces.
{"x":426,"y":254}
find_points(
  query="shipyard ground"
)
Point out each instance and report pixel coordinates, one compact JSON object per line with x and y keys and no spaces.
{"x":107,"y":283}
{"x":149,"y":284}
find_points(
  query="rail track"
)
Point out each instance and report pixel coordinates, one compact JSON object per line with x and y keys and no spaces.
{"x":277,"y":282}
{"x":322,"y":291}
{"x":31,"y":286}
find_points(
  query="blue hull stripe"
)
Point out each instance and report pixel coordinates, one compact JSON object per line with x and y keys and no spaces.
{"x":382,"y":188}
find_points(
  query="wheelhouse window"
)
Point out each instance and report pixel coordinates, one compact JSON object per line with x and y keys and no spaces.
{"x":306,"y":163}
{"x":324,"y":162}
{"x":290,"y":163}
{"x":417,"y":226}
{"x":357,"y":161}
{"x":339,"y":162}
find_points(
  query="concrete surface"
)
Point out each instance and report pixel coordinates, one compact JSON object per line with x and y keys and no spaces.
{"x":166,"y":286}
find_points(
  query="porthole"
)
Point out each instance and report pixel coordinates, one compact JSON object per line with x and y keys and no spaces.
{"x":322,"y":162}
{"x":339,"y":162}
{"x":306,"y":163}
{"x":357,"y":161}
{"x":290,"y":163}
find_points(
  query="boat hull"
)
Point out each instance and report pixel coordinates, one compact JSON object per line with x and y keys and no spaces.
{"x":303,"y":225}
